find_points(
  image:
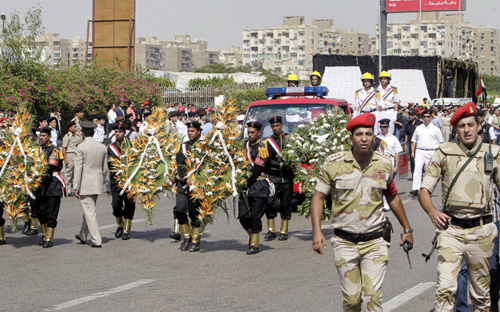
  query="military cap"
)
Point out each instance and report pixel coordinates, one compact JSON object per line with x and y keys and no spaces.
{"x":194,"y":124}
{"x":413,"y":112}
{"x":276,"y":119}
{"x":77,"y":109}
{"x":122,"y":125}
{"x":146,"y":114}
{"x":92,"y":117}
{"x":41,"y":118}
{"x":191,"y":114}
{"x":467,"y":110}
{"x":255,"y":124}
{"x":88,"y":125}
{"x":364,"y":120}
{"x":384,"y":121}
{"x":47,"y":130}
{"x":50,"y":119}
{"x":119,"y":118}
{"x":34,"y":130}
{"x":481,"y":113}
{"x":240,"y":117}
{"x":70,"y":124}
{"x":127,"y":116}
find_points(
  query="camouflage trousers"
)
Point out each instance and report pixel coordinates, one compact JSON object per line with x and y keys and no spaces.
{"x":361,"y":269}
{"x":476,"y":246}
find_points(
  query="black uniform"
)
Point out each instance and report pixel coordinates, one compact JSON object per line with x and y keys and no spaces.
{"x":184,"y":205}
{"x":258,"y":191}
{"x":123,"y":206}
{"x":53,"y":186}
{"x":282,"y":177}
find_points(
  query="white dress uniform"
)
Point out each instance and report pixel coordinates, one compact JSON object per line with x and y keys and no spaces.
{"x":387,"y":99}
{"x":390,"y":146}
{"x":426,"y":141}
{"x":366,"y":101}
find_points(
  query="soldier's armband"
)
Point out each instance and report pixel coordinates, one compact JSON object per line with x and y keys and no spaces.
{"x":391,"y":190}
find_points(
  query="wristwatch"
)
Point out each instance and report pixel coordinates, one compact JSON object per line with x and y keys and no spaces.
{"x":408,"y":231}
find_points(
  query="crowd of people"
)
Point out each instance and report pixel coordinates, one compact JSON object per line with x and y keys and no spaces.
{"x":454,"y":144}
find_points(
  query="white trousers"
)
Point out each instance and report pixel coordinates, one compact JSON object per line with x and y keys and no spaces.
{"x":422,"y":159}
{"x":89,"y":224}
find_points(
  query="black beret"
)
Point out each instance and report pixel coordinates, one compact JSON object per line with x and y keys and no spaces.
{"x":255,"y":124}
{"x":34,"y":130}
{"x":47,"y":130}
{"x":100,"y":116}
{"x":146,"y":114}
{"x":50,"y":119}
{"x":70,"y":124}
{"x":481,"y":112}
{"x":91,"y":117}
{"x":194,"y":124}
{"x":77,"y":109}
{"x":276,"y":119}
{"x":191,"y":114}
{"x":41,"y":118}
{"x":123,"y":125}
{"x":129,"y":115}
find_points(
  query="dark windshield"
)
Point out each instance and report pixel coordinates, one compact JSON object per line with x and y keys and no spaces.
{"x":293,"y":115}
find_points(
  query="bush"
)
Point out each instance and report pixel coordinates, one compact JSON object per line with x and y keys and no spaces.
{"x":211,"y":82}
{"x":244,"y":97}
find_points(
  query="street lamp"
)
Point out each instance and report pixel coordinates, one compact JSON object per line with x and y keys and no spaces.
{"x":3,"y":17}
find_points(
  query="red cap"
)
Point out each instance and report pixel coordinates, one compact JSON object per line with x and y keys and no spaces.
{"x":146,"y":103}
{"x":468,"y":109}
{"x":193,"y":110}
{"x":209,"y":108}
{"x":364,"y":120}
{"x":182,"y":109}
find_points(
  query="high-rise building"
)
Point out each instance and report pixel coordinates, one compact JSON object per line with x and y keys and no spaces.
{"x":291,"y":46}
{"x":55,"y":49}
{"x":231,"y":56}
{"x":448,"y":36}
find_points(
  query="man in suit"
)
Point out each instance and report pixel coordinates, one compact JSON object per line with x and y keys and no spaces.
{"x":91,"y":169}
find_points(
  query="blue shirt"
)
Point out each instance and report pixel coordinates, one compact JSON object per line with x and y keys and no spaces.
{"x":206,"y":128}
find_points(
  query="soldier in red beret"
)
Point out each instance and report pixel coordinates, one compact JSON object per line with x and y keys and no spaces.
{"x":358,"y":179}
{"x":468,"y":170}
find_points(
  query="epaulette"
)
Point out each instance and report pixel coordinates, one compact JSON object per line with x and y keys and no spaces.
{"x":377,"y":91}
{"x":59,"y":153}
{"x":395,"y":89}
{"x":358,"y":90}
{"x":263,"y":152}
{"x":335,"y":157}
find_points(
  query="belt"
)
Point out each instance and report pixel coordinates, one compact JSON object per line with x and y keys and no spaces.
{"x":426,"y":149}
{"x":471,"y":223}
{"x":356,"y":238}
{"x":368,"y":111}
{"x":387,"y":108}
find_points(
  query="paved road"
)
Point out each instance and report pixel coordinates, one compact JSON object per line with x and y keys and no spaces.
{"x":150,"y":273}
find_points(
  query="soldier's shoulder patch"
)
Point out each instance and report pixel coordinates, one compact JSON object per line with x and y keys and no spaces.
{"x":335,"y":157}
{"x":377,"y":91}
{"x":450,"y":148}
{"x":394,"y":87}
{"x":357,"y":91}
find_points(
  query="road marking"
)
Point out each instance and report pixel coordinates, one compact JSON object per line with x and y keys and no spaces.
{"x":406,"y":296}
{"x":75,"y":302}
{"x":113,"y":225}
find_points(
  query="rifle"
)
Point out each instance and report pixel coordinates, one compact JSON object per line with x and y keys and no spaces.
{"x":406,"y":248}
{"x":434,"y":244}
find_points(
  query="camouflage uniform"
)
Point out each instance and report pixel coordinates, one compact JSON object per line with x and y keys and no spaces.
{"x":470,"y":198}
{"x":357,"y":209}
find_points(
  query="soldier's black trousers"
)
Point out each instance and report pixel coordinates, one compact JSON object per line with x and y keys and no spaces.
{"x":2,"y":220}
{"x":251,"y":217}
{"x":185,"y":209}
{"x":122,"y":205}
{"x":35,"y":205}
{"x":284,"y":192}
{"x":48,"y":210}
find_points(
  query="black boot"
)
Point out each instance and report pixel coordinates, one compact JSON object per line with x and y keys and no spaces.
{"x":175,"y":236}
{"x":195,"y":239}
{"x":185,"y":244}
{"x":119,"y":229}
{"x":270,"y":236}
{"x":126,"y":229}
{"x":252,"y":250}
{"x":26,"y":227}
{"x":194,"y":247}
{"x":176,"y":233}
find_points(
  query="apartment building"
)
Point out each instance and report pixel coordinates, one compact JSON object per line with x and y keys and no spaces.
{"x":231,"y":56}
{"x":65,"y":52}
{"x":291,"y":46}
{"x":448,"y":35}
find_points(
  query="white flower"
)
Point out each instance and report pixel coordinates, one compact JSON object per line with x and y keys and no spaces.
{"x":301,"y":126}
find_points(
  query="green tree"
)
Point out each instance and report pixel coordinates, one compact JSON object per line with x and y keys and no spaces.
{"x":212,"y":81}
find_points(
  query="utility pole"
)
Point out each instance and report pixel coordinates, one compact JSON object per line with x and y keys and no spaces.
{"x":382,"y":31}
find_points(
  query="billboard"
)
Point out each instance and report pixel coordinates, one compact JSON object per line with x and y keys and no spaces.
{"x":400,"y":6}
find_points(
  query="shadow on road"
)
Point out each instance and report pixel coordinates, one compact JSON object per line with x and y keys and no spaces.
{"x":228,"y":244}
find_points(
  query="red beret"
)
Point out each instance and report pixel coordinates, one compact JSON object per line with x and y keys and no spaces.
{"x":182,"y":109}
{"x":468,"y":109}
{"x":364,"y":120}
{"x":146,"y":103}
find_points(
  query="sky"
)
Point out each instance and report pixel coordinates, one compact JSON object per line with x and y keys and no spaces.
{"x":220,"y":22}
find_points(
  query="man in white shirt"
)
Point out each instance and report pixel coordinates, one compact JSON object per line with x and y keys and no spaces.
{"x":111,"y":116}
{"x":388,"y":101}
{"x":144,"y":125}
{"x":390,"y":146}
{"x":424,"y":142}
{"x":181,"y":127}
{"x":52,"y":124}
{"x":99,"y":131}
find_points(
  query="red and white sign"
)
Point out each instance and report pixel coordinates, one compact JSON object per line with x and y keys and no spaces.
{"x":399,"y":6}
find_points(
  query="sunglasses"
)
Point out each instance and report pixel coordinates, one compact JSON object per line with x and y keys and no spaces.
{"x":427,"y":116}
{"x":383,"y":127}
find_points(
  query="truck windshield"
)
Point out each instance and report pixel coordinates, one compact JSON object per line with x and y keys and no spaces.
{"x":293,"y":115}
